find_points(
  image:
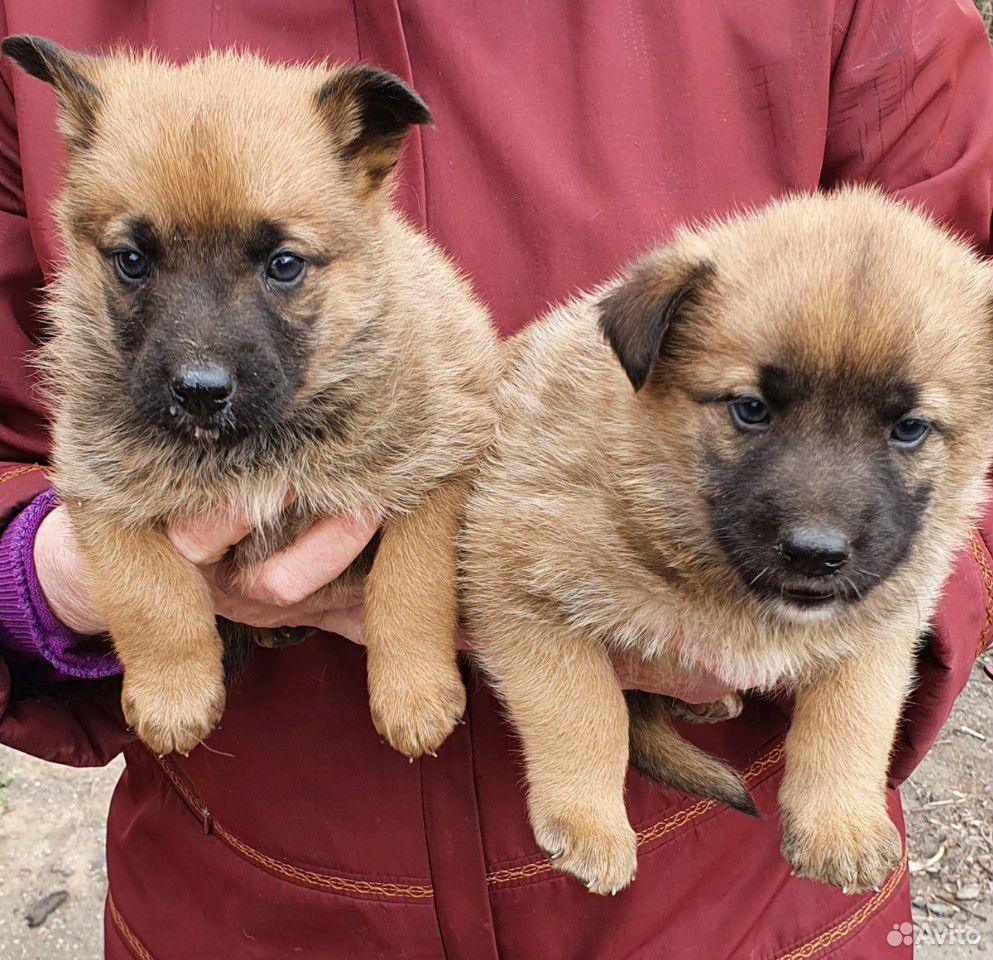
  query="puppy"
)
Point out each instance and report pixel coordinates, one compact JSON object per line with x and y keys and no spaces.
{"x":241,"y":314}
{"x":766,"y":441}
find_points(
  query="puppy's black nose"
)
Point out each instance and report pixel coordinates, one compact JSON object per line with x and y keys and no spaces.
{"x":202,"y":389}
{"x":814,"y":551}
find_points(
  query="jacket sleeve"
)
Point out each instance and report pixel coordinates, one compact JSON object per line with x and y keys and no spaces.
{"x":45,"y":650}
{"x":77,"y":723}
{"x":911,"y":102}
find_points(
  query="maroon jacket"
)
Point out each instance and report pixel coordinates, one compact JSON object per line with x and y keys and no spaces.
{"x":569,"y":137}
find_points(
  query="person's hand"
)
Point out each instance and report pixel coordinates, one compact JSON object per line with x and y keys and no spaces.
{"x":635,"y":674}
{"x":284,"y":591}
{"x":59,"y":573}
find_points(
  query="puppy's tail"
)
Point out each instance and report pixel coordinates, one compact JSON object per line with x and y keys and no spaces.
{"x":662,"y":756}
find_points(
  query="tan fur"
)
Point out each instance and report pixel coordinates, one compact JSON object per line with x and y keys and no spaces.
{"x":404,"y":355}
{"x":588,"y":527}
{"x":148,"y":591}
{"x":411,"y":604}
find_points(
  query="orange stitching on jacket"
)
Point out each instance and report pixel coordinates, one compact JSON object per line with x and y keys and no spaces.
{"x":19,"y":472}
{"x":835,"y":933}
{"x":682,"y":817}
{"x":679,"y":819}
{"x":136,"y":947}
{"x":325,"y":881}
{"x":984,"y":568}
{"x":320,"y":881}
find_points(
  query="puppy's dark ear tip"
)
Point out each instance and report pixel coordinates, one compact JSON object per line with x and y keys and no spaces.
{"x":19,"y":47}
{"x":420,"y":117}
{"x":415,"y":110}
{"x":389,"y":93}
{"x":406,"y":102}
{"x":380,"y":108}
{"x":34,"y":55}
{"x":15,"y":42}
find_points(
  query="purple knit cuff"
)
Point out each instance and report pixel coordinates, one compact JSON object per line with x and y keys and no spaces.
{"x":29,"y":630}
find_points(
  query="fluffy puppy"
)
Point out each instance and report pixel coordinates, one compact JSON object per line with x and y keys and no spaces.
{"x":240,"y":313}
{"x":768,"y":440}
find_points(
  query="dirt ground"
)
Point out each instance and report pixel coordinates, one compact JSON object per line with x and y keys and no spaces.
{"x":52,"y":822}
{"x":52,"y":839}
{"x":948,"y":803}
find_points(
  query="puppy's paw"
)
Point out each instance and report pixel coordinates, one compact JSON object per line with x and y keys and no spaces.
{"x":852,"y":849}
{"x":415,"y":710}
{"x":726,"y":708}
{"x":174,"y":709}
{"x":598,"y":848}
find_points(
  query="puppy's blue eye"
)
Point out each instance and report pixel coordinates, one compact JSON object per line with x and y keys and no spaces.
{"x":910,"y":432}
{"x":285,"y":268}
{"x":749,"y":413}
{"x":131,"y":265}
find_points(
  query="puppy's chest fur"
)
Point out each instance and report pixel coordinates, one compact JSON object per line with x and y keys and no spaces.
{"x":727,"y":639}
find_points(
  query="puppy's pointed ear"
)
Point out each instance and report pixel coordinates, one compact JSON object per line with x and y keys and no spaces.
{"x":369,"y":112}
{"x":69,"y":74}
{"x":636,"y":316}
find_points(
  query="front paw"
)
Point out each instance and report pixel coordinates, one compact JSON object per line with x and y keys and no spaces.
{"x":598,"y":847}
{"x":415,"y":708}
{"x":175,"y":708}
{"x":854,"y":849}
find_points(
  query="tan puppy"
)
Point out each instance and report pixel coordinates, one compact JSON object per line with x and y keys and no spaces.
{"x":770,"y":437}
{"x":241,"y":314}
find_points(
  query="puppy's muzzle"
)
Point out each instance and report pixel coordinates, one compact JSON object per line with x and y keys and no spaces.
{"x":202,"y":391}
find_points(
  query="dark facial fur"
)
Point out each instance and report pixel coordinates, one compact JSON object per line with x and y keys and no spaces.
{"x":208,"y":322}
{"x":823,"y":476}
